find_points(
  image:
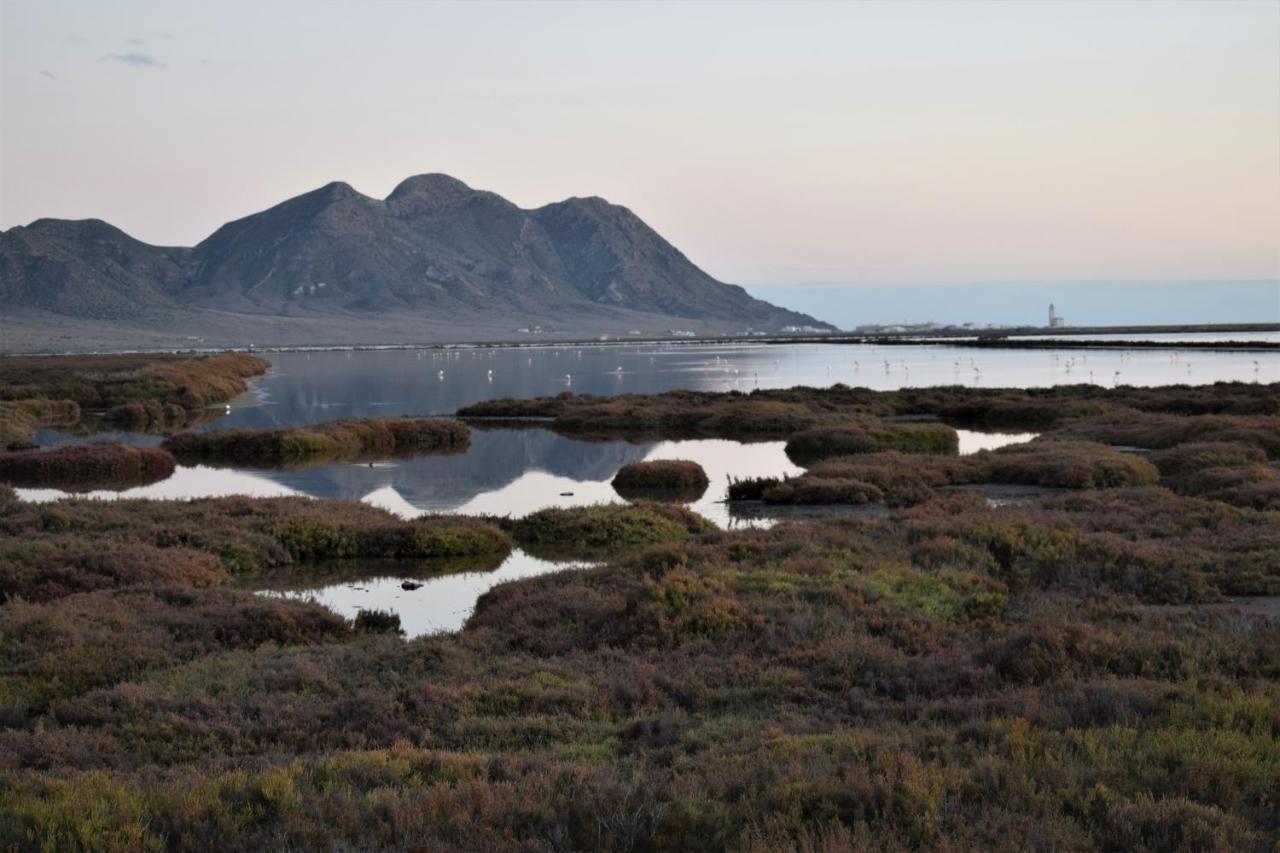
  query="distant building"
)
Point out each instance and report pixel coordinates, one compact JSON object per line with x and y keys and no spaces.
{"x":1055,"y":321}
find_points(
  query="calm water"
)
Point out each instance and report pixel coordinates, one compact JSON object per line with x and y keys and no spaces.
{"x":1173,"y":337}
{"x":516,"y":471}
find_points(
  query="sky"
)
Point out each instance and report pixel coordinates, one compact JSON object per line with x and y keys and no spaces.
{"x":913,"y":143}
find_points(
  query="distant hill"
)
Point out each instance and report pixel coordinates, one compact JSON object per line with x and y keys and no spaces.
{"x":433,"y":249}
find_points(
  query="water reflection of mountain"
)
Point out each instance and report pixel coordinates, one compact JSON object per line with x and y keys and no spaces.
{"x":495,"y":459}
{"x":307,"y":387}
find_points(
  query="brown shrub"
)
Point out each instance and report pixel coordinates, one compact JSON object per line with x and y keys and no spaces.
{"x":353,"y":438}
{"x":1063,"y":464}
{"x":665,"y":479}
{"x":56,"y":566}
{"x":86,"y":467}
{"x":1156,"y":431}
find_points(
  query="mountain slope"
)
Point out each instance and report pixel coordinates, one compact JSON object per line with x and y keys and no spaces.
{"x":87,"y":268}
{"x":434,"y":247}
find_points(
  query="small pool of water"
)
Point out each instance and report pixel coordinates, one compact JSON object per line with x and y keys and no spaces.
{"x":505,"y":472}
{"x":442,"y":603}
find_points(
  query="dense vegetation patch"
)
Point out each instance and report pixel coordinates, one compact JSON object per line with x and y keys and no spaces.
{"x":662,"y":479}
{"x":138,"y":390}
{"x":1068,"y":675}
{"x":1063,"y":464}
{"x":595,"y":531}
{"x":86,"y":467}
{"x":783,"y":411}
{"x":814,"y":445}
{"x":954,"y":676}
{"x":350,"y":438}
{"x":19,"y":420}
{"x":53,"y":566}
{"x":903,"y":479}
{"x":252,"y":534}
{"x":1157,"y":431}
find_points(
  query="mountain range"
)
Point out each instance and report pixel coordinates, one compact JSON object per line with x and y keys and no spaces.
{"x":434,"y":255}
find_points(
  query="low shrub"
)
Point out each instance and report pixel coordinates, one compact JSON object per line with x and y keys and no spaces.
{"x":1063,"y":464}
{"x":249,"y":535}
{"x":1158,"y":431}
{"x":1183,"y":459}
{"x":324,"y":536}
{"x":1254,"y":486}
{"x":378,"y":622}
{"x":822,"y":490}
{"x":55,"y":566}
{"x":750,"y":488}
{"x":665,"y":479}
{"x":106,"y":381}
{"x":17,"y":428}
{"x":86,"y":467}
{"x":80,"y":642}
{"x":602,"y":529}
{"x":352,"y":438}
{"x":815,"y":445}
{"x":19,"y":420}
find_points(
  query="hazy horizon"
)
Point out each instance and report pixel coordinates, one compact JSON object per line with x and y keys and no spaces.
{"x":1005,"y":303}
{"x":875,"y":143}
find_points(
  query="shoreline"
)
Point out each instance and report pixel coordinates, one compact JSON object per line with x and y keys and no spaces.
{"x":988,"y":339}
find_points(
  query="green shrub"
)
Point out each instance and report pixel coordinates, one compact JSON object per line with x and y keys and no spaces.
{"x":594,"y":531}
{"x":815,"y":445}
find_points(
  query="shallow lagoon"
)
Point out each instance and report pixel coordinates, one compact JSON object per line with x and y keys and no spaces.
{"x":517,"y":471}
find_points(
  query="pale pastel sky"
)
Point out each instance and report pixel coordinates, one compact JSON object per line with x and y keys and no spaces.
{"x":773,"y":143}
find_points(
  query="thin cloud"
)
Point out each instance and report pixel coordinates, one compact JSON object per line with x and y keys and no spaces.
{"x":133,"y":59}
{"x":136,"y":41}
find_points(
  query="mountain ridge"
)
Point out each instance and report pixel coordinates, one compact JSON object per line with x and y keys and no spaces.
{"x":434,"y":247}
